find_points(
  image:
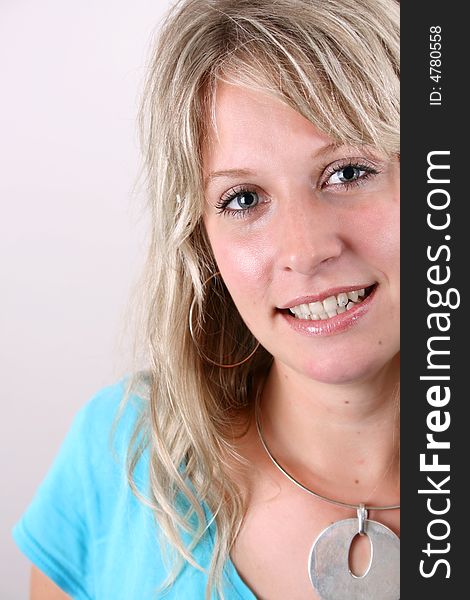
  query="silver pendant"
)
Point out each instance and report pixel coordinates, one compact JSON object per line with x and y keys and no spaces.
{"x":328,"y":563}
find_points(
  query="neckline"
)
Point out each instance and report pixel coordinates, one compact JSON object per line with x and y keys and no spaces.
{"x":230,"y":571}
{"x":237,"y":582}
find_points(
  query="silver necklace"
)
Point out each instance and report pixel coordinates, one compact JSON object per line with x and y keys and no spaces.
{"x":328,"y":562}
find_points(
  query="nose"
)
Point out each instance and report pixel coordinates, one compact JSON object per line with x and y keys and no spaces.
{"x":309,"y":236}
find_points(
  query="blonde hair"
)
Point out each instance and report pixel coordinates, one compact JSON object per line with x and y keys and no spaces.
{"x":336,"y":62}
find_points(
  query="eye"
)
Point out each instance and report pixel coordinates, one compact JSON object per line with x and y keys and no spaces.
{"x":238,"y":200}
{"x":347,"y":174}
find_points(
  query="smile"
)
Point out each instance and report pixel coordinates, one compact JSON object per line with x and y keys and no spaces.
{"x":338,"y":310}
{"x":332,"y":306}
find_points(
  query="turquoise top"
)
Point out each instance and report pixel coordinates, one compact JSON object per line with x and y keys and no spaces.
{"x":87,"y":531}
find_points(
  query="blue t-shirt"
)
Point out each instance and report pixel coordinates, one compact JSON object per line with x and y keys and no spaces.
{"x":87,"y":531}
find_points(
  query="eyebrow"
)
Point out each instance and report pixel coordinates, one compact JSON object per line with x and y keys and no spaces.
{"x":324,"y":150}
{"x":228,"y":173}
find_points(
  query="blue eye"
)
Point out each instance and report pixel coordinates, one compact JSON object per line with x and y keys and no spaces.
{"x":238,"y":200}
{"x":346,"y":174}
{"x":349,"y":174}
{"x":243,"y":200}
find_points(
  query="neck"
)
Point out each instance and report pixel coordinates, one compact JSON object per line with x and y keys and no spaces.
{"x":337,"y":439}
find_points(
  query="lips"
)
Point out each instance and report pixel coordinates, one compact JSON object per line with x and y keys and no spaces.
{"x":332,"y":305}
{"x":334,"y":313}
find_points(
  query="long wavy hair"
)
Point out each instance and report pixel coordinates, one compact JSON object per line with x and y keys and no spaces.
{"x":336,"y":62}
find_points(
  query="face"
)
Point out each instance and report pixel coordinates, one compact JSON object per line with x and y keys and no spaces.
{"x":306,"y":238}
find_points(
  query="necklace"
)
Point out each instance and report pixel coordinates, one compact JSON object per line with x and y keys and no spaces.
{"x":329,"y":557}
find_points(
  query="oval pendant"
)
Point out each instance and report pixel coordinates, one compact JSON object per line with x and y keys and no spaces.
{"x":328,"y":563}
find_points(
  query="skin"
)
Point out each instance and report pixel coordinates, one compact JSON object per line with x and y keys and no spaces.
{"x":42,"y":588}
{"x":328,"y":406}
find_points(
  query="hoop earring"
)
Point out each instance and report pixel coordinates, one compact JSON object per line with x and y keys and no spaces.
{"x":201,"y":354}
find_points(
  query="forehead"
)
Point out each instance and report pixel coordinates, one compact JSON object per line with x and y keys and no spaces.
{"x":252,"y":125}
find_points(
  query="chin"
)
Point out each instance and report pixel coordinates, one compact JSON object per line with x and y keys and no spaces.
{"x":350,"y":369}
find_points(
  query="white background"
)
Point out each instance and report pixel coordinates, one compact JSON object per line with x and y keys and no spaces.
{"x":71,"y":230}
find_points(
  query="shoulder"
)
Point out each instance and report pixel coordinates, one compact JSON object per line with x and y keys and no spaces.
{"x":107,"y":421}
{"x":119,"y":399}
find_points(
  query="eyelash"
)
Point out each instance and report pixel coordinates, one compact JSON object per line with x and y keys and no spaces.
{"x":231,"y":194}
{"x":369,"y":171}
{"x":225,"y":200}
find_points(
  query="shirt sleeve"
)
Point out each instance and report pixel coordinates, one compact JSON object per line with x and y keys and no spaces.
{"x":56,"y":531}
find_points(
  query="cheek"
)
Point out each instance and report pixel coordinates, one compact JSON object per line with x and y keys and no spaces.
{"x":377,"y":234}
{"x":245,"y":264}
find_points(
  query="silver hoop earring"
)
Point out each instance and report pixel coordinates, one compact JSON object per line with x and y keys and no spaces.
{"x":201,"y":354}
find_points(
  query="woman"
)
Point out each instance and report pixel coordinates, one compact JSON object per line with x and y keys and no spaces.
{"x":271,"y":321}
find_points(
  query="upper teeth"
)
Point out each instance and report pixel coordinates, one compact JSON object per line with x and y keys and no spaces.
{"x":329,"y":307}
